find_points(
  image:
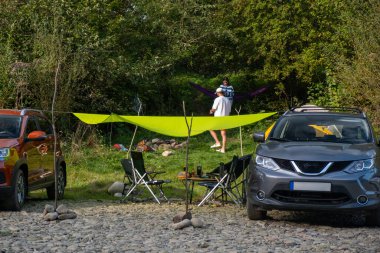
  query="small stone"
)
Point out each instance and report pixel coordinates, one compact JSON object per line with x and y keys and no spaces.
{"x":156,"y":140}
{"x":182,"y":224}
{"x":167,"y":153}
{"x":164,"y":147}
{"x":65,"y":216}
{"x":116,"y":187}
{"x":61,"y":209}
{"x":118,"y":195}
{"x":197,"y":223}
{"x":181,"y":216}
{"x":48,"y":209}
{"x":51,"y":216}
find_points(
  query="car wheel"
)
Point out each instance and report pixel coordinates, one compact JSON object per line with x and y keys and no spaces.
{"x":373,"y":218}
{"x":254,"y":213}
{"x":17,"y":200}
{"x":61,"y":185}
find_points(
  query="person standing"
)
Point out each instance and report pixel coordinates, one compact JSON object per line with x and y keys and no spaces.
{"x":221,"y":107}
{"x":227,"y":89}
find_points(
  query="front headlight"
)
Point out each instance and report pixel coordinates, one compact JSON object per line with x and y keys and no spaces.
{"x":266,"y":162}
{"x":4,"y":153}
{"x":361,"y":165}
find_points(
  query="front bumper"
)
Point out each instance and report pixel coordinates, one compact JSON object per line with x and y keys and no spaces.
{"x":269,"y":189}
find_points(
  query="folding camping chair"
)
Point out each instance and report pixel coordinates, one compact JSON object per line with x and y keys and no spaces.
{"x":136,"y":174}
{"x":225,"y":176}
{"x":228,"y":175}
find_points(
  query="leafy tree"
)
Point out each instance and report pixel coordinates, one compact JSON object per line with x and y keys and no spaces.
{"x":289,"y":42}
{"x":359,"y":72}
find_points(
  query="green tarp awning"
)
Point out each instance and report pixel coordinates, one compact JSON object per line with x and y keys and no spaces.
{"x":176,"y":125}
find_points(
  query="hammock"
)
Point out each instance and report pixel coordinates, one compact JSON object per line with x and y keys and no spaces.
{"x":237,"y":96}
{"x":176,"y":125}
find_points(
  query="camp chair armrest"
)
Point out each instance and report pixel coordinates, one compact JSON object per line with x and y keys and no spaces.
{"x":155,"y":172}
{"x":212,"y":175}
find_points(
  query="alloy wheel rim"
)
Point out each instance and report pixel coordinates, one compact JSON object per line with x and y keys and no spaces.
{"x":61,"y":182}
{"x":20,"y":189}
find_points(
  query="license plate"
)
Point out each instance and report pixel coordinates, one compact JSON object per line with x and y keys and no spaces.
{"x":310,"y":186}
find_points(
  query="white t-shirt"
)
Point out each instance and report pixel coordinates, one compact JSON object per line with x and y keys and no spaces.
{"x":222,"y":105}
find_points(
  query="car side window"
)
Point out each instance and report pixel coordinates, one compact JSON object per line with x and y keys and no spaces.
{"x":31,"y":125}
{"x":45,"y":125}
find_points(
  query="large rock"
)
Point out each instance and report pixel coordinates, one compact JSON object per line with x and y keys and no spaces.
{"x":182,"y":224}
{"x":51,"y":216}
{"x":69,"y":215}
{"x":48,"y":209}
{"x":61,"y":209}
{"x":118,"y":195}
{"x":181,"y":216}
{"x":116,"y":187}
{"x":197,"y":223}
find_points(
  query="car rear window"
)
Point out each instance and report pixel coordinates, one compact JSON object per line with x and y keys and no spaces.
{"x":9,"y":126}
{"x":328,"y":128}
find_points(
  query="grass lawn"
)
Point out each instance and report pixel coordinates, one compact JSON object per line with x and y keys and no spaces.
{"x":91,"y":170}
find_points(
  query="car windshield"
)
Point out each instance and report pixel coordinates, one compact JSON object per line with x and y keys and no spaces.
{"x":9,"y":126}
{"x":327,"y":128}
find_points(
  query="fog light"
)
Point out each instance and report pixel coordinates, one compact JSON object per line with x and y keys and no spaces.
{"x":260,"y":195}
{"x":362,"y":200}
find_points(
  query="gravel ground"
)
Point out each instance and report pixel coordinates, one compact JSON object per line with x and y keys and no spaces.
{"x":109,"y":226}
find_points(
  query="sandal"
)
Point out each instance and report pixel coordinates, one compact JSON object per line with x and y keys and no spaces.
{"x":215,"y":146}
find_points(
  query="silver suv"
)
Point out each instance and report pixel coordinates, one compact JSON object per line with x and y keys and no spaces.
{"x":316,"y":159}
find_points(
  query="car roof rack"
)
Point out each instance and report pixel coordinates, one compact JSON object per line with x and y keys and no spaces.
{"x":313,"y":108}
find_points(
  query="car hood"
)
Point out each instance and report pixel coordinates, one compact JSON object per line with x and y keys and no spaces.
{"x":317,"y":151}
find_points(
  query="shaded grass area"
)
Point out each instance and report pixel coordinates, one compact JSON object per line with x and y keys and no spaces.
{"x":91,"y":170}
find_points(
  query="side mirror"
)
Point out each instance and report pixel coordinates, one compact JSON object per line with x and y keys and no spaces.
{"x":259,"y":137}
{"x":36,"y":136}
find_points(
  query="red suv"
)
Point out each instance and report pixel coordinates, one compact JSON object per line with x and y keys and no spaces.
{"x":27,"y":157}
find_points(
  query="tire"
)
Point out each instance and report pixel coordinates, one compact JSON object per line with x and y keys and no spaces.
{"x":18,"y":196}
{"x":254,"y":213}
{"x":61,"y":185}
{"x":373,"y":218}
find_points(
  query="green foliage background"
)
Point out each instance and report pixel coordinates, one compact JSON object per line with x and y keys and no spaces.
{"x":111,"y":51}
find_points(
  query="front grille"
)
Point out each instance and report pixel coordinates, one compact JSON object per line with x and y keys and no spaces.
{"x":284,"y":164}
{"x":311,"y":167}
{"x":303,"y":197}
{"x":339,"y":166}
{"x":2,"y":177}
